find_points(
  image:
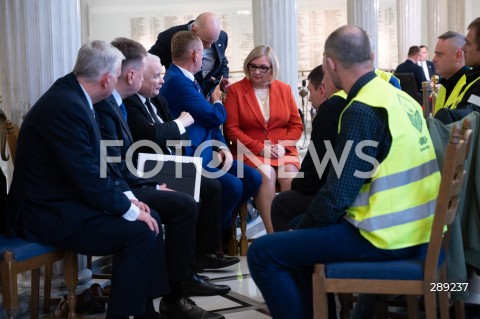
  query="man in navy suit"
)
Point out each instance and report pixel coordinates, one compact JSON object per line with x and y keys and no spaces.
{"x":410,"y":66}
{"x":62,"y":192}
{"x":427,"y":66}
{"x":239,"y":181}
{"x":178,"y":211}
{"x":155,"y":123}
{"x":215,"y":41}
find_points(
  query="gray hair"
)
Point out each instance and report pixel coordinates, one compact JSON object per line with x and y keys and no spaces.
{"x":456,"y":39}
{"x":96,"y":58}
{"x":262,"y":50}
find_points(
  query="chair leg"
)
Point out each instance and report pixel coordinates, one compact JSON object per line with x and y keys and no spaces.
{"x":430,"y":305}
{"x":243,"y":229}
{"x":412,"y":307}
{"x":381,"y":307}
{"x":233,"y":242}
{"x":459,"y":309}
{"x":47,"y":288}
{"x":443,"y":304}
{"x":71,"y":281}
{"x":9,"y":285}
{"x":320,"y":300}
{"x":34,"y":297}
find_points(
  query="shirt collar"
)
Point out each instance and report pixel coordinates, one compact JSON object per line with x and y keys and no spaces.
{"x":142,"y":98}
{"x":117,"y":97}
{"x":89,"y":100}
{"x":187,"y":73}
{"x":359,"y":84}
{"x":452,"y":81}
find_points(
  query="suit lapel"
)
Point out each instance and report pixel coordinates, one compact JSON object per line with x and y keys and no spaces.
{"x":124,"y":126}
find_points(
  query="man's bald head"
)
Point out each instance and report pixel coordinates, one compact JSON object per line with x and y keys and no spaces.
{"x":207,"y":27}
{"x":349,"y":45}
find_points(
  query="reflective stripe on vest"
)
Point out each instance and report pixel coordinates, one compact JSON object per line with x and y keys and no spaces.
{"x":395,"y":218}
{"x":396,"y":180}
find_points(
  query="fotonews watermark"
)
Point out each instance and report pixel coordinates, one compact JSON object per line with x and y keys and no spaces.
{"x":110,"y":153}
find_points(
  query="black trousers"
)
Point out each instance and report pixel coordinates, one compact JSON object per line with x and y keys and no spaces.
{"x":138,"y":270}
{"x":288,"y":205}
{"x":208,"y":225}
{"x":178,"y":212}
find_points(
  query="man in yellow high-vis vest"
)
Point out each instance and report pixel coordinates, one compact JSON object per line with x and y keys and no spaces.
{"x":468,"y":99}
{"x":450,"y":65}
{"x":379,"y":197}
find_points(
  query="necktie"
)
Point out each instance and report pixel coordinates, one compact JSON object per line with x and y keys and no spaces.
{"x":197,"y":86}
{"x":156,"y":120}
{"x":123,"y":109}
{"x":152,"y":112}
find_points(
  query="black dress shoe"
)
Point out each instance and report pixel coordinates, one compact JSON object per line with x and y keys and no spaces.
{"x":213,"y":261}
{"x":186,"y":308}
{"x":198,"y":287}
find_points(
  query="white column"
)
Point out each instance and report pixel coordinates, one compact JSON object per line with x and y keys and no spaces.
{"x":364,"y":14}
{"x":456,"y":16}
{"x":275,"y":24}
{"x":437,"y":15}
{"x":409,"y":19}
{"x":39,"y":43}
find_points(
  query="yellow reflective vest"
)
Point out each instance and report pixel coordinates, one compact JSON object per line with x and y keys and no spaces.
{"x":462,"y":94}
{"x":450,"y":103}
{"x":394,"y":209}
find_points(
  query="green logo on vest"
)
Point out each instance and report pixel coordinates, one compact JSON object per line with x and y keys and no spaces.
{"x":412,"y":112}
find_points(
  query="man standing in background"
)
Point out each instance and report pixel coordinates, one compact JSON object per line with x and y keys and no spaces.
{"x":215,"y":41}
{"x":427,"y":66}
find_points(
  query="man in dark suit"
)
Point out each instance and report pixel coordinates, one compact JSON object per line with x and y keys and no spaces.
{"x":215,"y":41}
{"x":62,"y":193}
{"x":178,"y":211}
{"x":410,"y":66}
{"x":329,"y":103}
{"x":427,"y":66}
{"x":239,"y":181}
{"x":149,"y":118}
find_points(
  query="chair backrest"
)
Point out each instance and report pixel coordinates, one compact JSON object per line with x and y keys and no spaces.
{"x":409,"y":86}
{"x":453,"y":174}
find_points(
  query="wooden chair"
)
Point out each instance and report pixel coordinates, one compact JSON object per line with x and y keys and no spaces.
{"x":18,"y":255}
{"x":409,"y":277}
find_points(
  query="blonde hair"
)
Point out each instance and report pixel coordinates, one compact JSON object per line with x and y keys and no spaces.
{"x":262,"y":50}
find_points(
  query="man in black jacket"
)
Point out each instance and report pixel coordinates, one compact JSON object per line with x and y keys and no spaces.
{"x":215,"y":41}
{"x":312,"y":174}
{"x":410,"y":66}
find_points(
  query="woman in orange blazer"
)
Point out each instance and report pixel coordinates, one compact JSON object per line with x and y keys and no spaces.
{"x":264,"y":125}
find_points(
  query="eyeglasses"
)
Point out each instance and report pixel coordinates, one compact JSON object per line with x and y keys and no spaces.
{"x":261,"y":68}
